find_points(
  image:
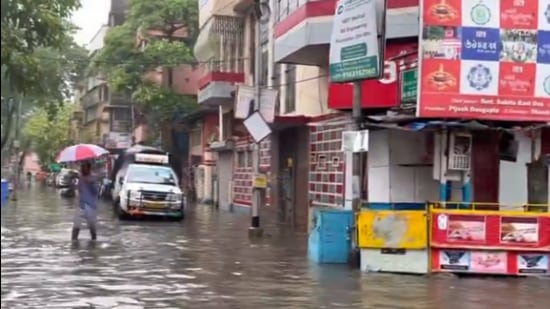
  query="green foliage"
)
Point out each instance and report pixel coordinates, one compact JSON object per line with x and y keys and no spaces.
{"x":127,"y":65}
{"x":48,"y":135}
{"x":40,"y":61}
{"x":27,"y":26}
{"x":161,"y":101}
{"x":167,"y":16}
{"x":60,"y":69}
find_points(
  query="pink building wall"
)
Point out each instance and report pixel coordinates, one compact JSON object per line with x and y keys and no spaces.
{"x":31,"y":163}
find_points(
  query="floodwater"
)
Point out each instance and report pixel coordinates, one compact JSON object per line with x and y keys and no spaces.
{"x":207,"y":261}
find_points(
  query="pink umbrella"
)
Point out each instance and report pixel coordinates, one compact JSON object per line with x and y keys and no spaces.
{"x":80,"y":152}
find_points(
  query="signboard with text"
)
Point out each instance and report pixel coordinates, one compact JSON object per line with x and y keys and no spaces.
{"x":354,"y":45}
{"x":490,"y":262}
{"x":487,"y":230}
{"x":485,"y":59}
{"x":399,"y":56}
{"x":409,"y":85}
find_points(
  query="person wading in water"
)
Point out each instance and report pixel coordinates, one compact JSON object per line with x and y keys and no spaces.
{"x":87,"y":191}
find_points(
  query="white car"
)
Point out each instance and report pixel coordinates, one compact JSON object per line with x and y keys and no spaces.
{"x":148,"y":190}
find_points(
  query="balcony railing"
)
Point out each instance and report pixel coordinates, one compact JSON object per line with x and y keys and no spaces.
{"x":120,"y":100}
{"x":222,"y":37}
{"x":92,"y":97}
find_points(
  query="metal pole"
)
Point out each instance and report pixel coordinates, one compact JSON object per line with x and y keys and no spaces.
{"x":356,"y":173}
{"x":255,"y":229}
{"x":356,"y":114}
{"x":16,"y":150}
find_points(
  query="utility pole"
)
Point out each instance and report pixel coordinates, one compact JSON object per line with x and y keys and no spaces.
{"x":255,"y":229}
{"x":16,"y":151}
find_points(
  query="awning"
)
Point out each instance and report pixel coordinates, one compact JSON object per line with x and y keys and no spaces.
{"x":289,"y":121}
{"x":420,"y":125}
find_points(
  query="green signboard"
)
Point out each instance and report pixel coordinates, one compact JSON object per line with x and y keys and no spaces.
{"x":54,"y":167}
{"x":354,"y":45}
{"x":409,"y":85}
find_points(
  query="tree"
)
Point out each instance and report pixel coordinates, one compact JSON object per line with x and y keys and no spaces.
{"x":61,"y":67}
{"x":27,"y":26}
{"x":126,"y":65}
{"x":48,"y":135}
{"x":39,"y":58}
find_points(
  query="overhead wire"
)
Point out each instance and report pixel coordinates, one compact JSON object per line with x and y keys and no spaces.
{"x":194,"y":62}
{"x":184,"y":63}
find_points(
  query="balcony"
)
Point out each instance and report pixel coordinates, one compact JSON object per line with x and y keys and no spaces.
{"x":119,"y":100}
{"x":92,"y":97}
{"x":207,"y":8}
{"x":302,"y":28}
{"x":220,"y":47}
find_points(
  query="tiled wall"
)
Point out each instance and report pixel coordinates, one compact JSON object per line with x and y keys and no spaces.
{"x":326,"y":163}
{"x":242,"y":176}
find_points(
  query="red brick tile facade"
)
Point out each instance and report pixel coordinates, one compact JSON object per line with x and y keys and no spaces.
{"x":242,"y":169}
{"x":326,"y":164}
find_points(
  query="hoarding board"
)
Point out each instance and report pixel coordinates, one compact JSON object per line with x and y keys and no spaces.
{"x":490,"y":230}
{"x":485,"y":60}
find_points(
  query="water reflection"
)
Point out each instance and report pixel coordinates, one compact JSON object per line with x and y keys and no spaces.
{"x":207,"y":262}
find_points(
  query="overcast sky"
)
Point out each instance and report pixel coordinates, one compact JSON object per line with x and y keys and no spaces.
{"x":91,"y":16}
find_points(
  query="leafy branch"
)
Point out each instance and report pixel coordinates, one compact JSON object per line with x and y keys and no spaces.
{"x":168,"y":29}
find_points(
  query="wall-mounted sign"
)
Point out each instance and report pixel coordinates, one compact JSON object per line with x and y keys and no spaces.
{"x":485,"y":60}
{"x":354,"y":45}
{"x":398,"y":56}
{"x":409,"y":85}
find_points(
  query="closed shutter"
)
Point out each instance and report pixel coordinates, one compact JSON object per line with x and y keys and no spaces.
{"x":485,"y":167}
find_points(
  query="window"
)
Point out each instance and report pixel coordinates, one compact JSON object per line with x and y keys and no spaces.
{"x":276,"y":79}
{"x":104,"y":93}
{"x":265,"y":71}
{"x":249,"y":158}
{"x":90,"y":114}
{"x":122,"y":114}
{"x":290,"y":95}
{"x":227,"y":119}
{"x":283,"y":8}
{"x":195,"y":138}
{"x":241,"y":160}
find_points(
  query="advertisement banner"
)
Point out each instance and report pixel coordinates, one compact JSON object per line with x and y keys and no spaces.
{"x":483,"y":262}
{"x":392,"y":229}
{"x":484,"y":60}
{"x":454,"y":260}
{"x":519,"y":230}
{"x":354,"y":46}
{"x":463,"y":229}
{"x":490,"y":229}
{"x":480,"y":262}
{"x":532,"y":263}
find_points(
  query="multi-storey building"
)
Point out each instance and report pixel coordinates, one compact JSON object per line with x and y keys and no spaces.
{"x":226,"y":46}
{"x":295,"y":48}
{"x":103,"y":117}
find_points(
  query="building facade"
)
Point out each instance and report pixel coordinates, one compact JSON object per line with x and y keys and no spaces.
{"x":295,"y":48}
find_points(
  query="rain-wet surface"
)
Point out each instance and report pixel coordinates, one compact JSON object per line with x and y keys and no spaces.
{"x":207,"y":261}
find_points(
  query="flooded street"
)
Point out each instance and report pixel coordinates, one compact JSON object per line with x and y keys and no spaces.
{"x":207,"y":261}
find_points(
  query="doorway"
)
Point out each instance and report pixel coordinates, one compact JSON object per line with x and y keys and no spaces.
{"x":293,"y":177}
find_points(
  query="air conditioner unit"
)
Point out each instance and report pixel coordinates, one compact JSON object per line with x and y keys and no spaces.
{"x":460,"y":152}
